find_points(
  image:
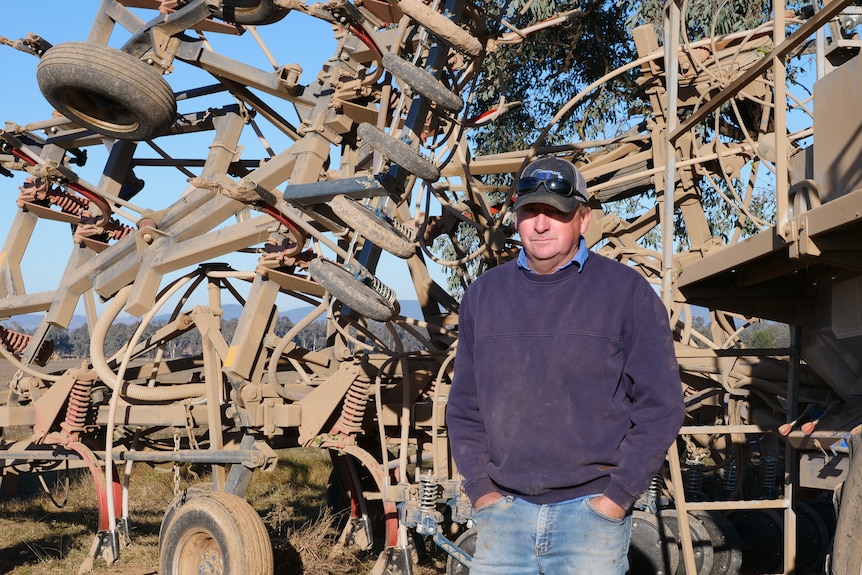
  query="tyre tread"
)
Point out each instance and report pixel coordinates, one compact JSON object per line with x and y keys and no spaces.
{"x":91,"y":66}
{"x":399,"y":152}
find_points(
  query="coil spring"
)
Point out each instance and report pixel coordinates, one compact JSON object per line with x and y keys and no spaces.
{"x":78,"y":407}
{"x":768,"y":465}
{"x":407,"y":232}
{"x":353,"y":408}
{"x":14,"y":341}
{"x":17,"y":343}
{"x":78,"y":206}
{"x":693,"y":481}
{"x":117,"y":231}
{"x":385,"y":291}
{"x":729,"y":480}
{"x":68,"y":203}
{"x":654,"y":489}
{"x":428,"y":492}
{"x":112,"y":230}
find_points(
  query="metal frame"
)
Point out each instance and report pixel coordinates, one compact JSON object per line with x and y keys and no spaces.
{"x":363,"y":393}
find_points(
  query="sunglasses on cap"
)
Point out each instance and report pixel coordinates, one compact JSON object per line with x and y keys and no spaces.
{"x":556,"y":186}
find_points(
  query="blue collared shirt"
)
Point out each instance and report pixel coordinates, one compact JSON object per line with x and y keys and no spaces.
{"x":580,"y":258}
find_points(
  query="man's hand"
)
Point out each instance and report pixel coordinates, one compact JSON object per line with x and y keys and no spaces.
{"x":487,"y":499}
{"x":606,"y":507}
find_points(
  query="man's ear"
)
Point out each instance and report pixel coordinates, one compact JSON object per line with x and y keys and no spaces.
{"x":586,"y":216}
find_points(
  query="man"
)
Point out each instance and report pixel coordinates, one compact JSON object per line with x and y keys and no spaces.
{"x":566,"y":392}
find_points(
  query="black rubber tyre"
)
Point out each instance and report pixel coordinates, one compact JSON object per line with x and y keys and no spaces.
{"x":825,"y":508}
{"x":398,"y":152}
{"x":700,"y":539}
{"x":653,"y":549}
{"x":812,"y":538}
{"x":215,"y":533}
{"x":251,"y":12}
{"x":467,"y":543}
{"x":442,"y":27}
{"x":726,"y":545}
{"x":423,"y":83}
{"x":106,"y":90}
{"x":760,"y":531}
{"x":372,"y":227}
{"x":361,"y":298}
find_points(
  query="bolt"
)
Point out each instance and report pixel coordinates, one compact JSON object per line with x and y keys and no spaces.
{"x":147,"y":237}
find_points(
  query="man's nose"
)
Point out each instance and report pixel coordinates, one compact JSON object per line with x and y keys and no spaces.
{"x":542,"y":222}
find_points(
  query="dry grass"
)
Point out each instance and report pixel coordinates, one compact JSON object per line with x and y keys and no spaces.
{"x":40,"y":538}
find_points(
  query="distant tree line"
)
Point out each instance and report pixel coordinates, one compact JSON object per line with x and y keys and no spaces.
{"x":75,"y":343}
{"x":760,"y":335}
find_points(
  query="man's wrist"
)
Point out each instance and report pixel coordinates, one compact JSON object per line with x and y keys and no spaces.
{"x":487,"y":499}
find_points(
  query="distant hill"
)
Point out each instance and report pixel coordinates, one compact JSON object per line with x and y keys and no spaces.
{"x":409,"y":308}
{"x":29,"y":322}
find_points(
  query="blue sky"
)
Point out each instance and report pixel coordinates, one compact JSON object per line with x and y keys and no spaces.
{"x":296,"y":39}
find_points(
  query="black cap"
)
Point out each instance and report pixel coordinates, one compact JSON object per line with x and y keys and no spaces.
{"x":554,"y":168}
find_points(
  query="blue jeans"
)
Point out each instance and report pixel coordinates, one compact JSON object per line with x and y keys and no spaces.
{"x":515,"y":537}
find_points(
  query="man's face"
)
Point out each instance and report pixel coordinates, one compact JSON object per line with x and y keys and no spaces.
{"x":550,"y":237}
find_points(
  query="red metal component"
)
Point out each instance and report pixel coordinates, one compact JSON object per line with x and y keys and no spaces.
{"x":14,"y":341}
{"x":730,"y":260}
{"x":98,"y":200}
{"x":77,"y":408}
{"x":17,"y":343}
{"x":102,"y":491}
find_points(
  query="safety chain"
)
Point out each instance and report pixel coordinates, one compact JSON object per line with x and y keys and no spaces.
{"x":190,"y":426}
{"x":176,"y":463}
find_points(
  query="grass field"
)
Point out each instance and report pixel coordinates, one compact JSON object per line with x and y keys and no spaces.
{"x":50,"y":533}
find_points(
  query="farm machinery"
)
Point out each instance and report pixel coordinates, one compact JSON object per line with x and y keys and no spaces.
{"x":373,"y":170}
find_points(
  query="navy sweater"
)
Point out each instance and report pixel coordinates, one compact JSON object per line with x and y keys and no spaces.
{"x":565,"y":385}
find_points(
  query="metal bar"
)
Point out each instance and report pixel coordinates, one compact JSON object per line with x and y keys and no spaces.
{"x":682,"y":507}
{"x":779,"y":115}
{"x":790,"y":470}
{"x":671,"y":58}
{"x":734,"y":505}
{"x":319,"y":192}
{"x":710,"y":429}
{"x":671,"y":51}
{"x":214,"y":382}
{"x":252,"y":457}
{"x":240,"y":475}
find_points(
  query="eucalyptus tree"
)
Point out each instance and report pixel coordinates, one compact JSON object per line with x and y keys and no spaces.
{"x":536,"y":76}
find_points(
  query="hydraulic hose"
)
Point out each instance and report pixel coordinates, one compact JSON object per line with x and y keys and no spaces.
{"x":107,"y":375}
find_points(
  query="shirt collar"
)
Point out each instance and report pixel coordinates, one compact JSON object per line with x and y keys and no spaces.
{"x":580,"y":258}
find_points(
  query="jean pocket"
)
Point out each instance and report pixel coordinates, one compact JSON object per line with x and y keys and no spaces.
{"x":601,"y":515}
{"x":493,"y":504}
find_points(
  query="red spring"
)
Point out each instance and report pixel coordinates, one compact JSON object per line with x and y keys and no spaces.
{"x":78,"y":407}
{"x":68,"y":203}
{"x":353,"y":409}
{"x":40,"y":191}
{"x":117,"y":231}
{"x":90,"y":196}
{"x":17,"y":342}
{"x":14,"y":341}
